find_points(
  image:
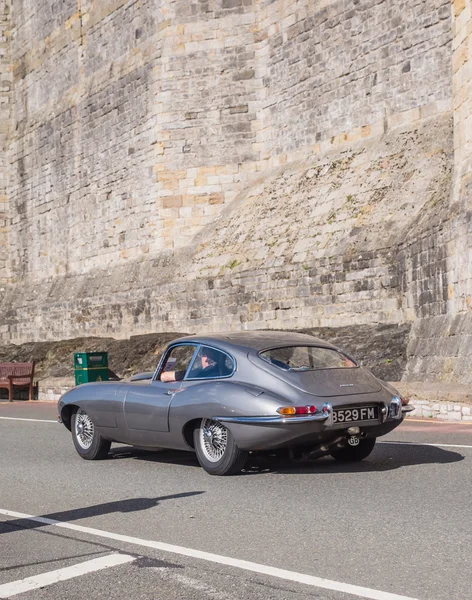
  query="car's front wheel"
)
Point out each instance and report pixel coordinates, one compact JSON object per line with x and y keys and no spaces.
{"x":355,"y":453}
{"x":87,"y":441}
{"x":216,"y":449}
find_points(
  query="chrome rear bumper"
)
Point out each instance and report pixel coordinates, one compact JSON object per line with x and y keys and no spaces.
{"x":275,"y":419}
{"x":393,"y":411}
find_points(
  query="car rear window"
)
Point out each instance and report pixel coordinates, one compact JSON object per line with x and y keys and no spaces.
{"x":307,"y":358}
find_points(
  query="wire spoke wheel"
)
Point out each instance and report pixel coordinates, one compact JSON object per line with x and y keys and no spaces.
{"x":84,"y":429}
{"x":214,"y":440}
{"x":86,"y":436}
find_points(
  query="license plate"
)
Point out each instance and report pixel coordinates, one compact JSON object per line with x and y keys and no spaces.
{"x":349,"y":415}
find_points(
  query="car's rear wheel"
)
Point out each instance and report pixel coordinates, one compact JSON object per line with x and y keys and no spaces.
{"x":216,"y":449}
{"x":355,"y":453}
{"x":87,"y":441}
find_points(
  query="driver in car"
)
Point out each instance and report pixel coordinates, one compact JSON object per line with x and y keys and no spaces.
{"x":206,"y":365}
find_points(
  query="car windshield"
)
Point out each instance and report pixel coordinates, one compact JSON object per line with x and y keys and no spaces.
{"x":307,"y":358}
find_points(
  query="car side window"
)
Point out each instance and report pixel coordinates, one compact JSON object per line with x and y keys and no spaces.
{"x":210,"y":363}
{"x":176,"y":362}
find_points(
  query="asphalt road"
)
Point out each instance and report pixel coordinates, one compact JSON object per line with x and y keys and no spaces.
{"x":400,"y":523}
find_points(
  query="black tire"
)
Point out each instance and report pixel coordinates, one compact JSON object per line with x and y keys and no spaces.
{"x":219,"y":455}
{"x":90,"y":446}
{"x":355,"y":453}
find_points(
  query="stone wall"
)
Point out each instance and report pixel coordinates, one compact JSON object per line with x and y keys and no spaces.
{"x":461,"y":285}
{"x":462,"y":97}
{"x":5,"y":113}
{"x":124,"y":144}
{"x":240,"y":164}
{"x":330,"y":67}
{"x":440,"y":344}
{"x":134,"y":123}
{"x":354,"y":245}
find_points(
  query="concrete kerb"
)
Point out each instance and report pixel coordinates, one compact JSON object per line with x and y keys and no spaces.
{"x":446,"y":402}
{"x":444,"y":411}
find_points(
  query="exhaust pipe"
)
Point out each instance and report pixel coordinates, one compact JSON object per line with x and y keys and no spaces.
{"x":325,"y":448}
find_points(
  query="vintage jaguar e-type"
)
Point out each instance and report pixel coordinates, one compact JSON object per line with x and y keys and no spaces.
{"x":225,"y":395}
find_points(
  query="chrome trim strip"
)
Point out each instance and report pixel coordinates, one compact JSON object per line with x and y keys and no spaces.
{"x":281,"y":419}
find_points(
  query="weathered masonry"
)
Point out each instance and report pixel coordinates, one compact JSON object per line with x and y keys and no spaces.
{"x":225,"y":164}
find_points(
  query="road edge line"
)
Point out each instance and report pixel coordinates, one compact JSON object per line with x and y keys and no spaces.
{"x":22,"y":419}
{"x":312,"y":580}
{"x":12,"y":588}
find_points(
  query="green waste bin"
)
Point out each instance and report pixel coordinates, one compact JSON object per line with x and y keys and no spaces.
{"x":90,"y":366}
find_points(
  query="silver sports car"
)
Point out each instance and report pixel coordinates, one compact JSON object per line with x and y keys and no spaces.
{"x":226,"y":395}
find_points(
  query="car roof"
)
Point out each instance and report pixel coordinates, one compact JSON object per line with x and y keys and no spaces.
{"x":255,"y":340}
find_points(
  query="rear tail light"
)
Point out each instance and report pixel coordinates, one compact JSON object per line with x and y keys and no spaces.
{"x":297,"y":410}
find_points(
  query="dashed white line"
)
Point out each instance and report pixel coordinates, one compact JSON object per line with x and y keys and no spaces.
{"x":7,"y":590}
{"x":311,"y":580}
{"x":35,"y":420}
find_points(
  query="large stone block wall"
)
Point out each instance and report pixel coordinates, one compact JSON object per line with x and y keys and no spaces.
{"x":190,"y":165}
{"x":461,"y":286}
{"x":331,"y":67}
{"x":131,"y":124}
{"x":355,"y":244}
{"x":462,"y":97}
{"x":135,"y":122}
{"x":5,"y":113}
{"x":440,"y":344}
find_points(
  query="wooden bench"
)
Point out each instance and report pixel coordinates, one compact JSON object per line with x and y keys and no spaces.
{"x":17,"y":375}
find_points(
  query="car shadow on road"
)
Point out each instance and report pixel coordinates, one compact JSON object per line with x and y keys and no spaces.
{"x":118,"y":506}
{"x":164,"y":456}
{"x":384,"y":458}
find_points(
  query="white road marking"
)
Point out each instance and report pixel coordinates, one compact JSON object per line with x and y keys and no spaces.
{"x":318,"y":582}
{"x":39,"y":581}
{"x":35,"y":420}
{"x":424,"y":444}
